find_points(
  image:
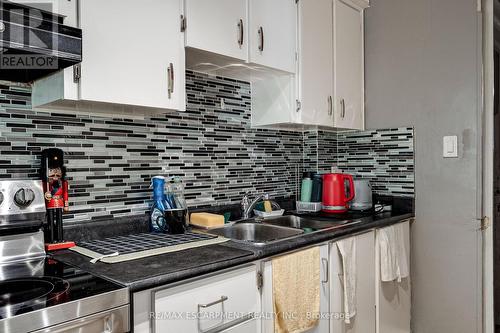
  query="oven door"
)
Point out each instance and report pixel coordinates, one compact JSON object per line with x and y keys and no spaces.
{"x":112,"y":321}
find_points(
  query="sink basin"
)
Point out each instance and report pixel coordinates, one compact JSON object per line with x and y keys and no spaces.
{"x":306,"y":224}
{"x":255,"y":233}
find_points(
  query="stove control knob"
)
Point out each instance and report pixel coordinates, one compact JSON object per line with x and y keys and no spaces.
{"x":24,"y":197}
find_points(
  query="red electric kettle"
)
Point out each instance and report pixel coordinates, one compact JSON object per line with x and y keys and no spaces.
{"x":335,"y":199}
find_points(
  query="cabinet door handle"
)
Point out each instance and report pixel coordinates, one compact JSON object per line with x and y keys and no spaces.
{"x":241,"y":33}
{"x":170,"y":72}
{"x":342,"y":108}
{"x":330,"y":105}
{"x":261,"y":39}
{"x":77,"y":73}
{"x":326,"y":270}
{"x":183,"y":23}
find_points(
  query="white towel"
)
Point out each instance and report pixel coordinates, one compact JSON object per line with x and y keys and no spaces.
{"x":347,"y":249}
{"x":393,"y":260}
{"x":404,"y":272}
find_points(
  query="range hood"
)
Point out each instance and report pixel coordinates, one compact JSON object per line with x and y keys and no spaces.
{"x":35,"y":43}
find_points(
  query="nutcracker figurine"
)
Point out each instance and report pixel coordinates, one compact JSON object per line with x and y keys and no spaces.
{"x":55,"y":188}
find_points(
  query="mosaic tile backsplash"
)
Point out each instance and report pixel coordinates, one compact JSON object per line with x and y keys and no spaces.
{"x":111,"y":160}
{"x":385,"y":157}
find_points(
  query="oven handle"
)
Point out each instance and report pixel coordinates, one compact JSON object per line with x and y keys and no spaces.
{"x":113,"y":321}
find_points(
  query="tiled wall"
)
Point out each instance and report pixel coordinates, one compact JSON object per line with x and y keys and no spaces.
{"x":111,"y":160}
{"x":385,"y":157}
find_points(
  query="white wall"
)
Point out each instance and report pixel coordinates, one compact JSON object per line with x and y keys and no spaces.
{"x":422,"y":62}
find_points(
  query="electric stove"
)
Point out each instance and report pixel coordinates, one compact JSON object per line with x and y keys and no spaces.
{"x":40,"y":294}
{"x":42,"y":283}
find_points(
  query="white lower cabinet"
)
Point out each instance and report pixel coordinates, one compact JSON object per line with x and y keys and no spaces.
{"x":381,"y":307}
{"x":267,"y":294}
{"x":394,"y":298}
{"x":232,"y":301}
{"x":364,"y":320}
{"x":226,"y":302}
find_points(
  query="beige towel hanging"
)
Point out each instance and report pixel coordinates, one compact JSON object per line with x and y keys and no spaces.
{"x":296,"y":291}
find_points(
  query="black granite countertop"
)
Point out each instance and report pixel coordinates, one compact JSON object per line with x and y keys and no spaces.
{"x":167,"y":268}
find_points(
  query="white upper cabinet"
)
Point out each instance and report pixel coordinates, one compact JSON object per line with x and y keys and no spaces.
{"x":258,"y":32}
{"x":348,"y":72}
{"x":316,"y":62}
{"x":218,"y":26}
{"x":128,"y":58}
{"x":272,"y":32}
{"x":116,"y":68}
{"x":330,"y":76}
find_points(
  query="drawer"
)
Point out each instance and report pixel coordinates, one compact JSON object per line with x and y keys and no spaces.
{"x":212,"y":304}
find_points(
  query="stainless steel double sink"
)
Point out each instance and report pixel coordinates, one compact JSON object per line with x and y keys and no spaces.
{"x":262,"y":232}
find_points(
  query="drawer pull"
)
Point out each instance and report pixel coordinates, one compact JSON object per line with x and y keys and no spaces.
{"x":207,"y":305}
{"x":222,"y":299}
{"x":232,"y":324}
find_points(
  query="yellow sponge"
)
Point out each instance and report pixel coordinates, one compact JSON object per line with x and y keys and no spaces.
{"x":206,"y":219}
{"x":267,"y":206}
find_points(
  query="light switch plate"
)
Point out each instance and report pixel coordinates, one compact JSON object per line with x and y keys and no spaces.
{"x":450,"y":146}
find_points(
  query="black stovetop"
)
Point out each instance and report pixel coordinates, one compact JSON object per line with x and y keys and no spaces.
{"x":32,"y":285}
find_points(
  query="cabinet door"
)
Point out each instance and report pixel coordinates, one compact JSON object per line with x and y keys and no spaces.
{"x":131,"y":56}
{"x":228,"y":301}
{"x":393,"y":298}
{"x":218,"y":26}
{"x":316,"y":62}
{"x":348,"y":65}
{"x":364,"y":320}
{"x":267,"y":294}
{"x":273,"y":33}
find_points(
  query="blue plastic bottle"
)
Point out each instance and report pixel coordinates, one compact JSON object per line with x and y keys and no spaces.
{"x":157,"y":217}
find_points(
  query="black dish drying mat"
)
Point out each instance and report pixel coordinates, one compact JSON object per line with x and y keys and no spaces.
{"x":132,"y":247}
{"x":141,"y":242}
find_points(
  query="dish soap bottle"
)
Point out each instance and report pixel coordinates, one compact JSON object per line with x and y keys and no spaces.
{"x":157,"y":214}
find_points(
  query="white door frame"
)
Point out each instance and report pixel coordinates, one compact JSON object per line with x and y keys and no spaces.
{"x":486,"y":124}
